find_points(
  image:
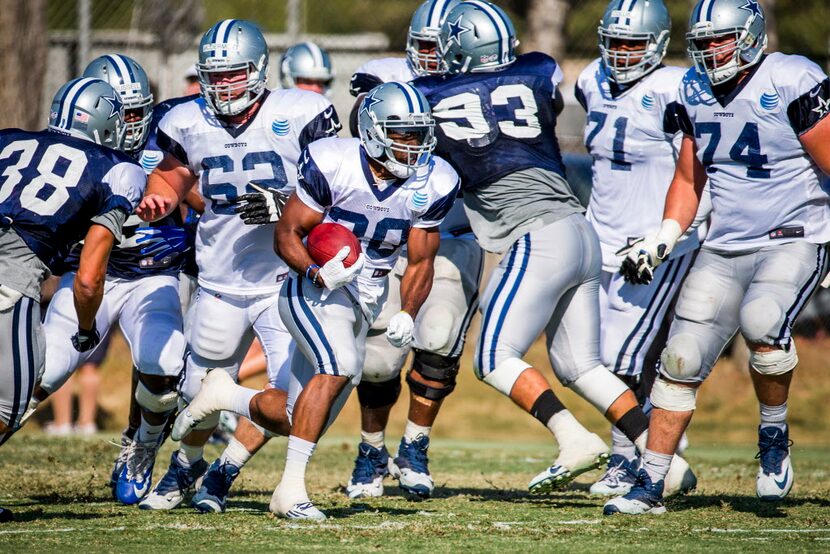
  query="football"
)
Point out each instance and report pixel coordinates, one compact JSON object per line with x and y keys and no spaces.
{"x":326,"y":240}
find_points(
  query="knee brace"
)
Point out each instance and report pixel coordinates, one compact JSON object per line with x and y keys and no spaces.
{"x":505,"y":375}
{"x":776,"y":362}
{"x":378,"y":395}
{"x":673,"y":397}
{"x":434,"y":367}
{"x":681,"y":359}
{"x":158,"y":403}
{"x":600,"y":387}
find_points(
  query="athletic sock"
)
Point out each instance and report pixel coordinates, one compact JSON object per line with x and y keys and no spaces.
{"x":149,"y":432}
{"x":241,"y":400}
{"x":292,"y":486}
{"x":413,"y":431}
{"x":565,"y":427}
{"x":235,"y":453}
{"x":656,"y":465}
{"x":620,"y":444}
{"x":189,"y":455}
{"x":774,"y":416}
{"x":375,"y":439}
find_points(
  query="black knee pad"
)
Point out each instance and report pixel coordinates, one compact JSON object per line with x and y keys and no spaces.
{"x":378,"y":395}
{"x":434,"y":367}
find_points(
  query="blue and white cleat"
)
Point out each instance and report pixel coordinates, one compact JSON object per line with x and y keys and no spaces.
{"x":136,"y":473}
{"x":645,"y":497}
{"x":370,"y":467}
{"x":575,"y":458}
{"x":120,"y":461}
{"x":213,"y":494}
{"x":775,"y":475}
{"x":304,"y":510}
{"x":620,"y":475}
{"x":293,"y":506}
{"x":175,"y":484}
{"x":411,"y":468}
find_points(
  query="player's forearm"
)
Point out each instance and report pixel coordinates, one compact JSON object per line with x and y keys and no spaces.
{"x":288,"y":244}
{"x":88,"y":289}
{"x":158,"y":185}
{"x":681,"y":204}
{"x":415,"y":286}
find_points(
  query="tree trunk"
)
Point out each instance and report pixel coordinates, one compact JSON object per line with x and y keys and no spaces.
{"x":546,"y":27}
{"x":23,"y":50}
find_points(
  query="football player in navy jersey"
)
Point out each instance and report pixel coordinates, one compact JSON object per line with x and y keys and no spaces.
{"x":390,"y":191}
{"x":756,"y":130}
{"x":239,"y":144}
{"x":58,"y":186}
{"x":495,"y":118}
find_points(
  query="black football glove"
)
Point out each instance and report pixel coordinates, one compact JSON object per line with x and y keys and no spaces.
{"x":84,"y":340}
{"x":261,"y":207}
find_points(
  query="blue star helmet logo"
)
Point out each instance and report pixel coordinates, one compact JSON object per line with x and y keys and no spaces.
{"x":115,"y":105}
{"x":370,"y":101}
{"x":456,"y":30}
{"x":753,"y":8}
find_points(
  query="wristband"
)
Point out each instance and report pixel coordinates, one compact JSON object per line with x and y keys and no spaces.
{"x":308,"y":271}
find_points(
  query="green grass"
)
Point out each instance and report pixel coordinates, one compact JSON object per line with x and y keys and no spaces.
{"x":58,"y":490}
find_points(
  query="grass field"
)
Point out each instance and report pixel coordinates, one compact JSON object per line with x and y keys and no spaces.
{"x":58,"y":490}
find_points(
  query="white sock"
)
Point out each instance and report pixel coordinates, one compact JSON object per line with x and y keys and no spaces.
{"x":621,"y":445}
{"x":564,"y":427}
{"x":241,"y":400}
{"x":292,"y":486}
{"x":189,"y":455}
{"x":149,"y":432}
{"x":413,"y":431}
{"x":375,"y":440}
{"x":774,"y":416}
{"x":656,"y":465}
{"x":235,"y":453}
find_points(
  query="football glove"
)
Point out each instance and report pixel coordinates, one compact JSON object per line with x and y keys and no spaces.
{"x":261,"y":207}
{"x":335,"y":274}
{"x":85,"y":340}
{"x":162,"y":241}
{"x":645,"y":255}
{"x":400,"y":328}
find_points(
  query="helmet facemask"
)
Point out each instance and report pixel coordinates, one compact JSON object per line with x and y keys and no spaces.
{"x":422,"y":51}
{"x":626,"y":66}
{"x":234,"y":97}
{"x":745,"y":50}
{"x":386,"y":141}
{"x":136,"y":132}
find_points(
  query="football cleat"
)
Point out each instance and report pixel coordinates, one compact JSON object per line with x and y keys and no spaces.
{"x":208,"y":401}
{"x":120,"y":460}
{"x":644,"y":497}
{"x":136,"y":473}
{"x":303,"y":510}
{"x":411,"y":468}
{"x":6,"y":515}
{"x":213,"y":493}
{"x":680,"y":479}
{"x":775,"y":474}
{"x":370,"y":467}
{"x":620,"y":475}
{"x":292,"y":508}
{"x":575,"y":458}
{"x":178,"y":480}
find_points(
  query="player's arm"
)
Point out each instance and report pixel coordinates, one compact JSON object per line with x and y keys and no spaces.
{"x":683,"y":196}
{"x":167,"y":187}
{"x":88,"y":287}
{"x":296,"y":222}
{"x":816,"y":142}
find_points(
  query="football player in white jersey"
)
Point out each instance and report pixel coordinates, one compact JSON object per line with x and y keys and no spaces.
{"x":389,"y":189}
{"x":756,"y":127}
{"x":440,"y":329}
{"x":240,"y":143}
{"x":633,"y":141}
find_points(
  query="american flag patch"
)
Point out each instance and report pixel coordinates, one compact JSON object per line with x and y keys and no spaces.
{"x":82,"y":117}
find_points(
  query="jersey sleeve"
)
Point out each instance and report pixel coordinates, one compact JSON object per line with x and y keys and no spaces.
{"x":325,"y":124}
{"x":113,"y":221}
{"x":362,"y":82}
{"x":313,"y":187}
{"x":806,"y":93}
{"x":125,"y":183}
{"x":169,"y":138}
{"x":443,"y":202}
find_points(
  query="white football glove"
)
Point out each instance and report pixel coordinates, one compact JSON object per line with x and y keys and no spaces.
{"x":644,"y":256}
{"x":400,"y":328}
{"x":335,"y":274}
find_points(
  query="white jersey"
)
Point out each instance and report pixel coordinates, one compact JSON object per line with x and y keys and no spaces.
{"x":375,"y":72}
{"x":765,"y":188}
{"x":335,"y":179}
{"x":634,"y":144}
{"x":234,"y":257}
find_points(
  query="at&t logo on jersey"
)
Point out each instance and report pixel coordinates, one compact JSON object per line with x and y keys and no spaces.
{"x":648,"y":102}
{"x":419,"y":200}
{"x":770,"y":101}
{"x":150,"y":159}
{"x":281,"y":127}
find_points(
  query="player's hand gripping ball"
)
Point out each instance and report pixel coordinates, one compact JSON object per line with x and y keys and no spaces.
{"x":327,"y":239}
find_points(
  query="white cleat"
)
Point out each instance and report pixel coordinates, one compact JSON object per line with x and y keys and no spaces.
{"x":289,"y":509}
{"x":620,"y":475}
{"x":775,"y":475}
{"x":210,"y":399}
{"x":575,"y":458}
{"x":680,"y":479}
